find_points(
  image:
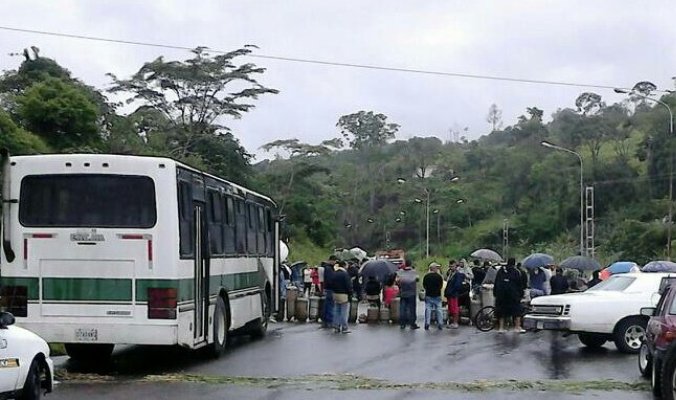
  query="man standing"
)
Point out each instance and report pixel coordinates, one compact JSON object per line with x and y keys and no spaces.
{"x":407,"y":279}
{"x":559,"y":283}
{"x":341,"y":286}
{"x":328,"y":291}
{"x":595,"y":279}
{"x":452,"y":293}
{"x":432,"y":282}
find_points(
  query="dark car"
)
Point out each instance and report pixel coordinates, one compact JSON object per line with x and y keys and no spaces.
{"x":657,"y":355}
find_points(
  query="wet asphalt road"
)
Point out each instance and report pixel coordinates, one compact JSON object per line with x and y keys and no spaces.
{"x":374,"y":362}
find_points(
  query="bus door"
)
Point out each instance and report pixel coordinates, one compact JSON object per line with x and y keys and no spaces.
{"x":201,"y":262}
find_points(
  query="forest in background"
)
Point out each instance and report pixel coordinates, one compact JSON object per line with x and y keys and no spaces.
{"x":366,"y":187}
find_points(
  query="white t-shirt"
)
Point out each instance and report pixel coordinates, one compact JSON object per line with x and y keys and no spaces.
{"x":307,"y":277}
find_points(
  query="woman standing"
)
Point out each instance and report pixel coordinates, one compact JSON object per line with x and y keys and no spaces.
{"x":508,"y":293}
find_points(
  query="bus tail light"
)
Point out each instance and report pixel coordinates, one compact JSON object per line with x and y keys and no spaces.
{"x":14,"y":299}
{"x":162,"y":303}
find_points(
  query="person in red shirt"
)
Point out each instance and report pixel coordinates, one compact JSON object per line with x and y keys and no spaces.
{"x":314,"y":275}
{"x":390,"y":291}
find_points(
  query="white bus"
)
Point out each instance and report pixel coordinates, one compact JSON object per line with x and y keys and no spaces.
{"x":99,"y":250}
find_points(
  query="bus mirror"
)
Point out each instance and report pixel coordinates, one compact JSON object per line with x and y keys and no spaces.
{"x":6,"y":200}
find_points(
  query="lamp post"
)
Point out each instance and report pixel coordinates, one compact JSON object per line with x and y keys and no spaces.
{"x":427,"y":221}
{"x":427,"y":211}
{"x":671,"y":159}
{"x":555,"y":147}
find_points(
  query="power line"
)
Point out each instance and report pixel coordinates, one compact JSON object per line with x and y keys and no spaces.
{"x":324,"y":62}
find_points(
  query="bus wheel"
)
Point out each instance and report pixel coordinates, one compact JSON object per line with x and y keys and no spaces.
{"x":89,"y":352}
{"x":220,"y":329}
{"x":261,"y":327}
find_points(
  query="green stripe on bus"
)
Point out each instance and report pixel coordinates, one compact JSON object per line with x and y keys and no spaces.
{"x":186,"y":289}
{"x":31,"y":283}
{"x":86,"y":289}
{"x":110,"y":289}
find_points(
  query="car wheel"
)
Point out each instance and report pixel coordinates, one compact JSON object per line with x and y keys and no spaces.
{"x":591,"y":340}
{"x":89,"y":352}
{"x":31,"y":388}
{"x":645,"y":361}
{"x":656,"y":379}
{"x":217,"y":348}
{"x":629,"y":334}
{"x":668,"y":378}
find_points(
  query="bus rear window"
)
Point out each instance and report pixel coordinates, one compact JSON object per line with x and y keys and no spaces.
{"x":87,"y":200}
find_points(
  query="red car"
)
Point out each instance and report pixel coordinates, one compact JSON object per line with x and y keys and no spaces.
{"x":657,"y":355}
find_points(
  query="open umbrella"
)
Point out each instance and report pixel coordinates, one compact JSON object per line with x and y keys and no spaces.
{"x":620,"y":267}
{"x":381,"y":269}
{"x":486,"y":254}
{"x":581,"y":263}
{"x":659,"y":266}
{"x":537,"y":260}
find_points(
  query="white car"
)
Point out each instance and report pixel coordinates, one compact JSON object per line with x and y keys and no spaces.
{"x":607,"y":311}
{"x":26,"y":371}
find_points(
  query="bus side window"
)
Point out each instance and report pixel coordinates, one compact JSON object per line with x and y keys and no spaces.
{"x":215,"y":219}
{"x":240,"y":227}
{"x":261,"y":230}
{"x":229,"y":226}
{"x":185,"y":225}
{"x":269,"y":233}
{"x":251,"y":228}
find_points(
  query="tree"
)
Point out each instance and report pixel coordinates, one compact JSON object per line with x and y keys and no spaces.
{"x":17,"y":140}
{"x":366,"y":129}
{"x":194,"y":96}
{"x":60,"y":113}
{"x":494,"y":117}
{"x":589,"y":103}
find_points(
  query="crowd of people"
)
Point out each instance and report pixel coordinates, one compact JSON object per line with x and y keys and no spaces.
{"x":339,"y":282}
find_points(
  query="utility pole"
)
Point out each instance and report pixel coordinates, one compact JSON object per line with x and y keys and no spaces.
{"x":505,"y":238}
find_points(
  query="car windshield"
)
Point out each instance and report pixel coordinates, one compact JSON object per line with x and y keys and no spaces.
{"x":616,"y":283}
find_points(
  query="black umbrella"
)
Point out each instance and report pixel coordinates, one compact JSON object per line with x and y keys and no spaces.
{"x":537,"y":260}
{"x":582,"y":263}
{"x":381,"y":269}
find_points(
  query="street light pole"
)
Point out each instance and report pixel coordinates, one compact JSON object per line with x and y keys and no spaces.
{"x":555,"y":147}
{"x":671,"y":160}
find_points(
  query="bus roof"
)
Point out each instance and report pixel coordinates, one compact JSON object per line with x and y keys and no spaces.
{"x":141,"y":160}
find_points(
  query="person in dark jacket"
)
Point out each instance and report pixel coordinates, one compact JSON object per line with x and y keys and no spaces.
{"x":407,"y":279}
{"x":327,"y":315}
{"x":595,"y":279}
{"x":559,"y":282}
{"x":452,"y":293}
{"x":508,"y":293}
{"x":373,"y":289}
{"x":432,"y":283}
{"x":479,"y":273}
{"x":341,"y":286}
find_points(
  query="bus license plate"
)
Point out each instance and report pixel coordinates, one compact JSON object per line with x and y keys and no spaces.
{"x":86,"y":335}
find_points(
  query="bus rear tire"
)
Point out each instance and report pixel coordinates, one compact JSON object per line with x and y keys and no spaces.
{"x":217,"y":348}
{"x":89,"y":352}
{"x":261,"y":327}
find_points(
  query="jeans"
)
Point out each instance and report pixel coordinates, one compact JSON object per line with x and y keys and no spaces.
{"x":328,"y":308}
{"x":433,"y":304}
{"x":407,"y":313}
{"x":340,"y":312}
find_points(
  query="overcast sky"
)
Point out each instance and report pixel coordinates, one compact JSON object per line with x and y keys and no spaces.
{"x":614,"y":42}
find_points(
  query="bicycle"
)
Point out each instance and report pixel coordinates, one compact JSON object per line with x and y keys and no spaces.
{"x":485,"y":320}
